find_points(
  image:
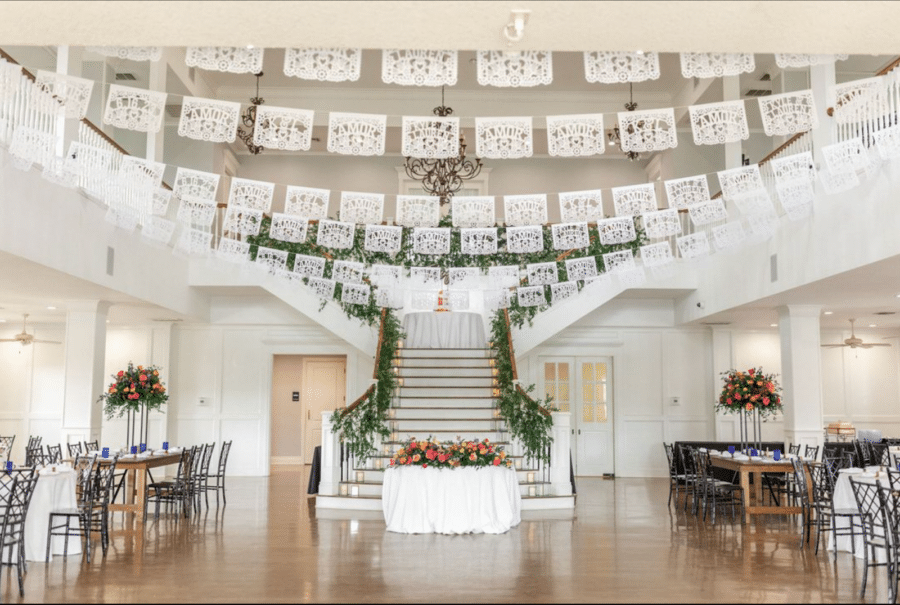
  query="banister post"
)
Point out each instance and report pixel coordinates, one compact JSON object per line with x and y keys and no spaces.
{"x":331,"y":471}
{"x":560,"y":454}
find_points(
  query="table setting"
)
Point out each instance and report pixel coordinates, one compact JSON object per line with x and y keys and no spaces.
{"x":844,"y":499}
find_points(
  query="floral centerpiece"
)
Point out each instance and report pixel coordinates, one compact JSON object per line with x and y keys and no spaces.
{"x":450,"y":454}
{"x":750,"y":391}
{"x":133,"y":388}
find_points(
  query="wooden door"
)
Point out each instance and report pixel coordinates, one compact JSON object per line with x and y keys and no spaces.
{"x":592,"y":418}
{"x":324,"y":388}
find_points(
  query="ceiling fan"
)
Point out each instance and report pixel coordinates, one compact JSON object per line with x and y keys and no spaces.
{"x":857,"y":343}
{"x":25,"y":338}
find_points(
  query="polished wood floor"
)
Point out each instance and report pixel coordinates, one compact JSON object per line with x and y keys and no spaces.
{"x":621,"y":544}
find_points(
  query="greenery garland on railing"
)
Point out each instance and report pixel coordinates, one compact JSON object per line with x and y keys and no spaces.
{"x":359,"y":426}
{"x":527,"y":420}
{"x":407,"y":258}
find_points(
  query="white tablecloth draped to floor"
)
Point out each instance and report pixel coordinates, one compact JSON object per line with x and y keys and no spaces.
{"x":844,"y":500}
{"x":53,"y":491}
{"x":451,"y":330}
{"x":420,"y":500}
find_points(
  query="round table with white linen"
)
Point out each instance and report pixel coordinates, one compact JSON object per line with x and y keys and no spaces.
{"x":845,"y":500}
{"x":470,"y":500}
{"x":451,"y":330}
{"x":53,"y":491}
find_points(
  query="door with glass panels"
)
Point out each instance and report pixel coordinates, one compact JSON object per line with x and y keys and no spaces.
{"x":583,"y":386}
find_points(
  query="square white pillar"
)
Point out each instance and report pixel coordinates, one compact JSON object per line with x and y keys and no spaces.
{"x":801,"y":373}
{"x":85,"y":358}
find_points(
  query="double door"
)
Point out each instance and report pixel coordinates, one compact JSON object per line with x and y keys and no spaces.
{"x":583,"y":387}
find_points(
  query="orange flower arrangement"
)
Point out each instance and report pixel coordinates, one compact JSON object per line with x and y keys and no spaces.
{"x":450,"y":454}
{"x":133,"y":388}
{"x":748,"y":391}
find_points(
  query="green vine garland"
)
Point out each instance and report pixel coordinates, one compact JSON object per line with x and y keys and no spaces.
{"x":406,"y":258}
{"x":370,"y":418}
{"x":527,"y":419}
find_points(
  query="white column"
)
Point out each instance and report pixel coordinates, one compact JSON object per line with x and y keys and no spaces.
{"x":560,"y":453}
{"x":84,"y":372}
{"x":725,"y":425}
{"x":331,"y":470}
{"x":160,"y":355}
{"x":801,"y":373}
{"x":156,"y":82}
{"x":822,"y":85}
{"x":731,"y":91}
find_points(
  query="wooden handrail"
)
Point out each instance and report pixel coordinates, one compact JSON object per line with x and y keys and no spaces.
{"x":890,"y":67}
{"x":782,"y":147}
{"x":526,"y":395}
{"x":380,"y":340}
{"x":512,"y":355}
{"x":362,"y":398}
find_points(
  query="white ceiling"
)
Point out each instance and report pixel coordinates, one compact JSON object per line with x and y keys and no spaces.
{"x":866,"y":30}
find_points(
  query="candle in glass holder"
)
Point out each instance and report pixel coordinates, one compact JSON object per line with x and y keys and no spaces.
{"x":532,"y":491}
{"x":360,"y":476}
{"x":518,"y":463}
{"x":377,"y":464}
{"x":354,"y":490}
{"x":530,"y":477}
{"x":343,"y":489}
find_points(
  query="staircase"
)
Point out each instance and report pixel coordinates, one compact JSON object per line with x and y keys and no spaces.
{"x":445,"y":394}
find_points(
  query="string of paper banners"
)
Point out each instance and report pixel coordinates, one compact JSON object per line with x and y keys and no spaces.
{"x":579,"y":135}
{"x":136,"y":186}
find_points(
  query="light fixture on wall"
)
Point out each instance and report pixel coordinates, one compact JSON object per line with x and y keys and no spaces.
{"x":614,"y":136}
{"x":248,"y":119}
{"x":443,"y":177}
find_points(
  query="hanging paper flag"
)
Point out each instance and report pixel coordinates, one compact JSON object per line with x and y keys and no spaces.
{"x":575,"y":136}
{"x":784,"y":60}
{"x":478,"y":241}
{"x":542,"y":273}
{"x":728,"y":236}
{"x":525,"y":210}
{"x":347,"y":272}
{"x":430,"y":137}
{"x":503,"y":138}
{"x":323,"y":64}
{"x":581,"y":206}
{"x":570,"y":236}
{"x":426,"y":277}
{"x":391,"y":298}
{"x":283,"y":128}
{"x":431,"y":240}
{"x":563,"y":290}
{"x":681,"y":193}
{"x":618,"y":261}
{"x":288,"y":228}
{"x":71,"y":92}
{"x":323,"y":288}
{"x":251,"y":194}
{"x":798,"y":166}
{"x":716,"y":65}
{"x":718,"y":123}
{"x":131,"y":53}
{"x":707,"y":212}
{"x":194,"y":183}
{"x":846,"y":156}
{"x":650,"y":130}
{"x":662,"y":223}
{"x":362,"y":208}
{"x":196,"y":211}
{"x":356,"y":133}
{"x":419,"y":67}
{"x":424,"y":300}
{"x":635,"y":277}
{"x":272,"y":260}
{"x":385,"y":275}
{"x":310,"y":266}
{"x":473,"y":211}
{"x":355,"y":294}
{"x":335,"y":234}
{"x":458,"y":300}
{"x":736,"y":181}
{"x":134,"y":108}
{"x":307,"y":202}
{"x":694,"y":245}
{"x":233,"y":251}
{"x":788,"y":113}
{"x":610,"y":67}
{"x":504,"y":276}
{"x":158,"y":229}
{"x":526,"y":68}
{"x":531,"y":296}
{"x":524,"y":240}
{"x":193,"y":242}
{"x":232,"y":59}
{"x":634,"y":200}
{"x":887,"y":142}
{"x":418,"y":211}
{"x":581,"y":268}
{"x":656,"y":255}
{"x":209,"y":120}
{"x":143,"y":173}
{"x":463,"y":277}
{"x":796,"y":198}
{"x":616,"y":230}
{"x":495,"y":300}
{"x":383,"y":238}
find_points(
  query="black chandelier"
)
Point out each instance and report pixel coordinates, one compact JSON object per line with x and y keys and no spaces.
{"x":614,"y":136}
{"x":443,"y":177}
{"x":248,"y":118}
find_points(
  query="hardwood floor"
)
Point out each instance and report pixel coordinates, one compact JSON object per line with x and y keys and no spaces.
{"x":622,"y":544}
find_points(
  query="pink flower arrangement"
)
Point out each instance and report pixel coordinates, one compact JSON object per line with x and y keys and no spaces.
{"x":750,"y":391}
{"x":450,"y":454}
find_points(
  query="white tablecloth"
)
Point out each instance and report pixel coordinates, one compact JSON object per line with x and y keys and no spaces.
{"x":844,"y":499}
{"x":450,"y":330}
{"x":420,"y":500}
{"x":52,"y":491}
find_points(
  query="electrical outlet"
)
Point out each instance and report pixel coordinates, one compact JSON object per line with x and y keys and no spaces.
{"x":203,"y":401}
{"x":676,"y":401}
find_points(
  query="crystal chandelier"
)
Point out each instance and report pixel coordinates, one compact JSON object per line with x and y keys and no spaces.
{"x":614,"y":136}
{"x":443,"y":177}
{"x":248,"y":118}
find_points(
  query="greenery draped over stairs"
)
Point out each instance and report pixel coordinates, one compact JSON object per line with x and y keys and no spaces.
{"x":406,"y":258}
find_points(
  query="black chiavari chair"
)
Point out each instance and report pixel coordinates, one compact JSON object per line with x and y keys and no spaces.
{"x":6,"y":445}
{"x":55,"y":454}
{"x":74,"y":450}
{"x":219,"y":475}
{"x":85,"y":467}
{"x":16,"y":489}
{"x":822,"y":502}
{"x":875,"y":534}
{"x":91,"y":446}
{"x":201,"y":477}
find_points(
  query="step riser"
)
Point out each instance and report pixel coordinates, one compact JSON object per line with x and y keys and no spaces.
{"x":467,"y":353}
{"x":446,"y":392}
{"x":401,"y":414}
{"x":444,"y":424}
{"x":446,"y":382}
{"x":479,"y":372}
{"x":443,"y":402}
{"x":440,"y":362}
{"x":438,"y":435}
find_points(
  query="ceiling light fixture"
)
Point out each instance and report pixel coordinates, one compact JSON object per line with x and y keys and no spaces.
{"x":248,"y":118}
{"x":615,"y":137}
{"x":51,"y":308}
{"x":443,"y":177}
{"x":829,"y":312}
{"x":514,"y":31}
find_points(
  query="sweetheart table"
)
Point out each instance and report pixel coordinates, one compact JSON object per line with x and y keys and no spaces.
{"x":455,"y":330}
{"x":420,"y":500}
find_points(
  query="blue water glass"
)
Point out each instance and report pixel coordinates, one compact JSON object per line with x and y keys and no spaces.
{"x":143,"y":447}
{"x":776,"y":455}
{"x":8,"y":465}
{"x":134,"y":449}
{"x":106,"y":452}
{"x":165,"y":445}
{"x":753,"y":452}
{"x":731,"y":449}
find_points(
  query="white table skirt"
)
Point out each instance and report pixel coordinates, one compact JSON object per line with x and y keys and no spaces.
{"x":844,"y":498}
{"x":451,"y":330}
{"x":420,"y":500}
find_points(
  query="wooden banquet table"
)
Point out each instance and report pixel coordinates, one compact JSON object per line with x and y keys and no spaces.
{"x":136,"y":489}
{"x":753,"y":501}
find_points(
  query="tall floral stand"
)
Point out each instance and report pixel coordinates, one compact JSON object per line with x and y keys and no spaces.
{"x":748,"y":420}
{"x":138,"y":426}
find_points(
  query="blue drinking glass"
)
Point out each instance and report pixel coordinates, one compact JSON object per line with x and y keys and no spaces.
{"x":8,"y":466}
{"x":134,"y":449}
{"x":753,"y":452}
{"x":777,"y":455}
{"x":106,"y":452}
{"x":165,"y":445}
{"x":731,"y":449}
{"x":143,"y":447}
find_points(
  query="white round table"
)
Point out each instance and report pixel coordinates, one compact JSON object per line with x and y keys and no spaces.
{"x":53,"y":491}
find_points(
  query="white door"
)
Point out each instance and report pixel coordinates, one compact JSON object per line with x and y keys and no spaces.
{"x":583,"y":386}
{"x":324,"y":388}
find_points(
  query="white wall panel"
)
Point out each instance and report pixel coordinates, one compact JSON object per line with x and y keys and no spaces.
{"x":243,"y":372}
{"x":638,"y":375}
{"x":248,"y":448}
{"x":640,"y":452}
